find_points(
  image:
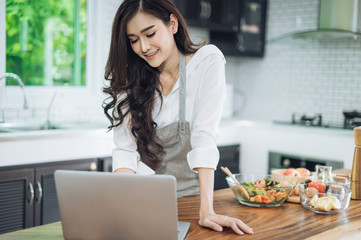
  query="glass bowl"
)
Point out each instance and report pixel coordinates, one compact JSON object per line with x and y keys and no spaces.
{"x":261,"y":190}
{"x":332,"y":201}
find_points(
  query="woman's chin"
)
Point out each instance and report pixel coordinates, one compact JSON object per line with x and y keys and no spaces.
{"x":153,"y":63}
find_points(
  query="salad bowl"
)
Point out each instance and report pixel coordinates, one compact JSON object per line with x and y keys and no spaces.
{"x":261,"y":190}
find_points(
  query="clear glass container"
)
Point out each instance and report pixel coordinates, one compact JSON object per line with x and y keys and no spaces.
{"x":324,"y":174}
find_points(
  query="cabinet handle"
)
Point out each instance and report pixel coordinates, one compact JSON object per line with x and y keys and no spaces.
{"x":93,"y":166}
{"x":40,"y":190}
{"x":240,"y":42}
{"x":31,"y":189}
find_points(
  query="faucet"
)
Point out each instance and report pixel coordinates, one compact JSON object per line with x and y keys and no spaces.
{"x":48,"y":124}
{"x":21,"y":84}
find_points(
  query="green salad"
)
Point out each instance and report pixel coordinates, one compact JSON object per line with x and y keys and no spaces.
{"x":263,"y":191}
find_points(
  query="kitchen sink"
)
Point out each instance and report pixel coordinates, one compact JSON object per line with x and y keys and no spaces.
{"x":26,"y":127}
{"x":21,"y":127}
{"x":3,"y":131}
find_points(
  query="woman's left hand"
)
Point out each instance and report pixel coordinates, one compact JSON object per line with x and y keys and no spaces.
{"x":217,"y":222}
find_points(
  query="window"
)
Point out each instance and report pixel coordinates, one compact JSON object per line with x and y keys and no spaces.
{"x":73,"y":95}
{"x":46,"y":42}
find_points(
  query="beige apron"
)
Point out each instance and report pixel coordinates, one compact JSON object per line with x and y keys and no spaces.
{"x":175,"y":139}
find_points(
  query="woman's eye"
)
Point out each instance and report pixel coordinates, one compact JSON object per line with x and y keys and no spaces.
{"x":151,"y":35}
{"x":133,"y":41}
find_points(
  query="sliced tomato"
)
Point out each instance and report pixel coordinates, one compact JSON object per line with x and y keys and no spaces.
{"x":318,"y":185}
{"x":265,"y":199}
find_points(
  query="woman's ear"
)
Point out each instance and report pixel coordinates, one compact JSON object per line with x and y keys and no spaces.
{"x":173,"y":23}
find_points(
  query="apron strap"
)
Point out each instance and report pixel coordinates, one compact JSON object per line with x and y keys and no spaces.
{"x":182,"y":93}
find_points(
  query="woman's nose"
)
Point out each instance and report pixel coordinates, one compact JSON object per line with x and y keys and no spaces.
{"x":144,"y":45}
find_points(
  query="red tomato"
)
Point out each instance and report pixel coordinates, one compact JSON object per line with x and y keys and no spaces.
{"x":318,"y":185}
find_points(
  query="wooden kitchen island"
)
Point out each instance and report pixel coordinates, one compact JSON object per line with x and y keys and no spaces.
{"x":289,"y":221}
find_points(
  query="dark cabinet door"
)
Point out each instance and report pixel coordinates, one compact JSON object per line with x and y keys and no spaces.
{"x":28,"y":195}
{"x":16,"y":199}
{"x":195,"y":12}
{"x":237,"y":27}
{"x":229,"y":156}
{"x":223,"y":15}
{"x":251,"y":37}
{"x":46,"y":201}
{"x":211,"y":14}
{"x":105,"y":164}
{"x":248,"y":34}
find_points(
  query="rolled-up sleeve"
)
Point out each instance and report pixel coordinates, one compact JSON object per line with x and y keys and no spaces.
{"x":125,"y":153}
{"x":207,"y":115}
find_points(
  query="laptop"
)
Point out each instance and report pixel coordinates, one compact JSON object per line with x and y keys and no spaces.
{"x":103,"y":205}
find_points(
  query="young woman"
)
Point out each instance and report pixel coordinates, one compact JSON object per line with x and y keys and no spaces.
{"x":165,"y":104}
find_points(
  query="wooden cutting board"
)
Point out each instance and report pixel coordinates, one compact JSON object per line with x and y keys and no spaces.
{"x":342,"y":172}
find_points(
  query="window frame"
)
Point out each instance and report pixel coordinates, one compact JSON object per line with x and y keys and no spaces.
{"x":95,"y":63}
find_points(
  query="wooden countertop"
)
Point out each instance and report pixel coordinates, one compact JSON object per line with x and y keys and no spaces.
{"x":289,"y":221}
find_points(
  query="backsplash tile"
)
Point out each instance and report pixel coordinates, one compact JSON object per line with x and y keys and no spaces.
{"x":306,"y":76}
{"x":286,"y":16}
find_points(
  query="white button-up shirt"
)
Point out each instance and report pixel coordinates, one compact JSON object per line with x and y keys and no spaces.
{"x":206,"y":93}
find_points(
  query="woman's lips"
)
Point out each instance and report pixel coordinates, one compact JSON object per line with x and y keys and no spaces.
{"x":151,"y":55}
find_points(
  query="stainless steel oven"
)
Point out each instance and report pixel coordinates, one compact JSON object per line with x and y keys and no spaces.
{"x":285,"y":160}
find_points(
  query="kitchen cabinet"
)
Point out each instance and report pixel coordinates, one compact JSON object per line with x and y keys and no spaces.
{"x":16,"y":199}
{"x":105,"y":164}
{"x":236,"y":27}
{"x":193,"y":11}
{"x":211,"y":14}
{"x":248,"y":35}
{"x":28,"y":195}
{"x":229,"y":156}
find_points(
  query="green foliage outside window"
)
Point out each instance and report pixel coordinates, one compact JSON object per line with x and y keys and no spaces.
{"x":46,"y":41}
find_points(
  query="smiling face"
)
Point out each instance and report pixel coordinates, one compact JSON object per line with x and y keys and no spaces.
{"x":151,"y":39}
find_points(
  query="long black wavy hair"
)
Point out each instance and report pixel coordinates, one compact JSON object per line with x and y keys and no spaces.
{"x":132,"y":76}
